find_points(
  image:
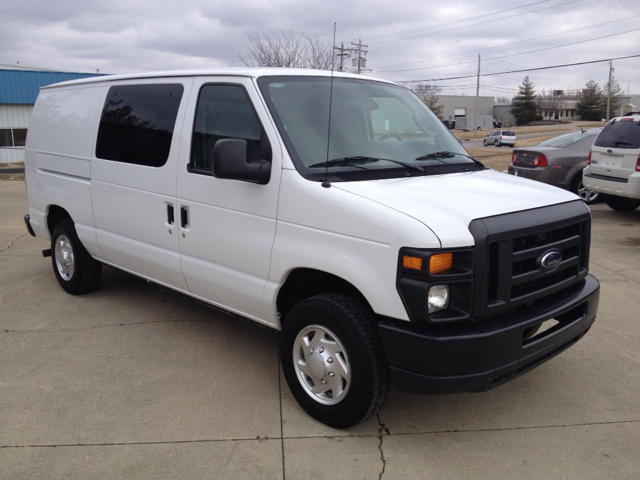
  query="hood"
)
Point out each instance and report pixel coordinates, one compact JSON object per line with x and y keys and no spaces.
{"x":448,"y":203}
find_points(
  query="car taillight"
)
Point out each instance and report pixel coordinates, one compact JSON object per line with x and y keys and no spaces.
{"x":638,"y":164}
{"x":514,"y":157}
{"x":500,"y":137}
{"x":589,"y":158}
{"x":540,"y":161}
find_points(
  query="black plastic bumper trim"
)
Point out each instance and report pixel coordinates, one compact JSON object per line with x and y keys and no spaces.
{"x":477,"y":356}
{"x":27,"y":220}
{"x":605,"y":177}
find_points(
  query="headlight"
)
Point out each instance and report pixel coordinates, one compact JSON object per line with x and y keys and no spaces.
{"x":438,"y":298}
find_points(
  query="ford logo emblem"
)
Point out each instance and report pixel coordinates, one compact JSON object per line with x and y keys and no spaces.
{"x":550,"y":260}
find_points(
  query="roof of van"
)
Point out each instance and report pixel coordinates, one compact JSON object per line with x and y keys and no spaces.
{"x":231,"y":71}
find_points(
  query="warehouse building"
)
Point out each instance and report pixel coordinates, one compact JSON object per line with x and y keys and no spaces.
{"x":19,"y":87}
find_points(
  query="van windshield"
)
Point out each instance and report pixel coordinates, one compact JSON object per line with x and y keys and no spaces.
{"x":377,"y":130}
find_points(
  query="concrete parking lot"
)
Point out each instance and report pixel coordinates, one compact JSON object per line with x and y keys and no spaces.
{"x":135,"y":382}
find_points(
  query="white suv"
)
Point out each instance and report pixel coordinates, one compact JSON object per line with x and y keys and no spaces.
{"x":614,"y":163}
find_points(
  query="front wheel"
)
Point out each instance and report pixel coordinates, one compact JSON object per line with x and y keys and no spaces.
{"x":76,"y":271}
{"x":621,"y":204}
{"x":332,"y":360}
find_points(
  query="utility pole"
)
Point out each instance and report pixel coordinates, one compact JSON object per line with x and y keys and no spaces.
{"x":475,"y":129}
{"x":344,"y":52}
{"x":609,"y":90}
{"x":361,"y":61}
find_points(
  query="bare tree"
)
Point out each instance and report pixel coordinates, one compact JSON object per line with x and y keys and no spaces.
{"x":503,"y":99}
{"x":429,"y":95}
{"x":287,"y":49}
{"x":548,"y":102}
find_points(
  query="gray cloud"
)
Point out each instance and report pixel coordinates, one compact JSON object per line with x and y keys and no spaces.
{"x":124,"y":36}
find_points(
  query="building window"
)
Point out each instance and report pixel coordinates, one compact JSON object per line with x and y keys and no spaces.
{"x":137,"y":123}
{"x":13,"y":137}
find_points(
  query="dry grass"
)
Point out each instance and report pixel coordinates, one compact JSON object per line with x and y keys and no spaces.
{"x":14,"y":177}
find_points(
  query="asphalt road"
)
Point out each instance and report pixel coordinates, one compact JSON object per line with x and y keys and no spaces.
{"x":136,"y":382}
{"x":477,"y":143}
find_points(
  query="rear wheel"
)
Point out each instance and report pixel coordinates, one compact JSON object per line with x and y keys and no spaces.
{"x":579,"y":189}
{"x":622,"y":204}
{"x":333,"y":361}
{"x":76,"y":271}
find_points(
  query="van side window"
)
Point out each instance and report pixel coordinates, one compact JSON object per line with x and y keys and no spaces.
{"x":137,"y":123}
{"x":223,"y":111}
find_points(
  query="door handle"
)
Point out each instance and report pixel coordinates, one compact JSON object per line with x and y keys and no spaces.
{"x":184,"y":217}
{"x":170,"y":216}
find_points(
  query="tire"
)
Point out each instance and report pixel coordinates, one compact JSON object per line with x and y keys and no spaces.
{"x":484,"y":144}
{"x":621,"y":204}
{"x":76,"y":271}
{"x":497,"y":143}
{"x":334,"y":334}
{"x":589,"y":197}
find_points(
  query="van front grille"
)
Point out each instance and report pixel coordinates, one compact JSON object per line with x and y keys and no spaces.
{"x":510,"y":273}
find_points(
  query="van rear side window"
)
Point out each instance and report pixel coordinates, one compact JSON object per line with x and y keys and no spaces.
{"x":137,"y":123}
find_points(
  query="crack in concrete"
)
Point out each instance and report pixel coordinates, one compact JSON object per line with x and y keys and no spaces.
{"x":382,"y":429}
{"x":4,"y":330}
{"x":13,"y":241}
{"x":377,"y":435}
{"x":613,"y":271}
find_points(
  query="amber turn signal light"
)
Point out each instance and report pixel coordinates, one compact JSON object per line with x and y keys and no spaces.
{"x":440,"y":262}
{"x":413,"y":263}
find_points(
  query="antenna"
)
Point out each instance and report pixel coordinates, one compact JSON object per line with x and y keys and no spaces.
{"x":326,"y":183}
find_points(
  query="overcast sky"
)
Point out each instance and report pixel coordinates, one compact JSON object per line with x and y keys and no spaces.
{"x":407,"y":40}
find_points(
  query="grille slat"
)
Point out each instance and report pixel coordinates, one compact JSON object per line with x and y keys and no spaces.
{"x":538,"y":274}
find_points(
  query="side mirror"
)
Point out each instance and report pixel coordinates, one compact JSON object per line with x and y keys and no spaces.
{"x":230,"y":161}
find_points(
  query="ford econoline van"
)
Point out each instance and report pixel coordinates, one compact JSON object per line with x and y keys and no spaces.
{"x":336,"y":209}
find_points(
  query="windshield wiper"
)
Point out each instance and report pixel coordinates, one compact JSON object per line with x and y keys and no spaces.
{"x":356,"y":160}
{"x":446,"y":154}
{"x":346,"y":161}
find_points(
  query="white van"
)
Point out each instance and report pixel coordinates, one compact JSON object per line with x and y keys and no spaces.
{"x":614,"y":163}
{"x":336,"y":209}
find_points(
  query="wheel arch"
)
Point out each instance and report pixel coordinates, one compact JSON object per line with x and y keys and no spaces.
{"x":55,"y":213}
{"x":303,"y":283}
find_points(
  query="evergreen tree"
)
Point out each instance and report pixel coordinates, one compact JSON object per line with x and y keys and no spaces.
{"x":590,"y":106}
{"x":524,"y":107}
{"x":616,"y":102}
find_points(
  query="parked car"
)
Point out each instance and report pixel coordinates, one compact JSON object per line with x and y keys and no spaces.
{"x":497,"y":124}
{"x":500,"y":137}
{"x":558,"y":161}
{"x":614,"y":163}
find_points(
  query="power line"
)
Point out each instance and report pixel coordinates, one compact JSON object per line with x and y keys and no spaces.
{"x":403,"y":32}
{"x":474,"y":24}
{"x":521,"y":53}
{"x":512,"y":43}
{"x":519,"y":71}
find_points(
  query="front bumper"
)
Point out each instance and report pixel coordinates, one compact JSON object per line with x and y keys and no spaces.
{"x":478,"y":356}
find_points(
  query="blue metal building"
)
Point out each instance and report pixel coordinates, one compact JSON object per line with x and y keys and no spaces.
{"x":18,"y":92}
